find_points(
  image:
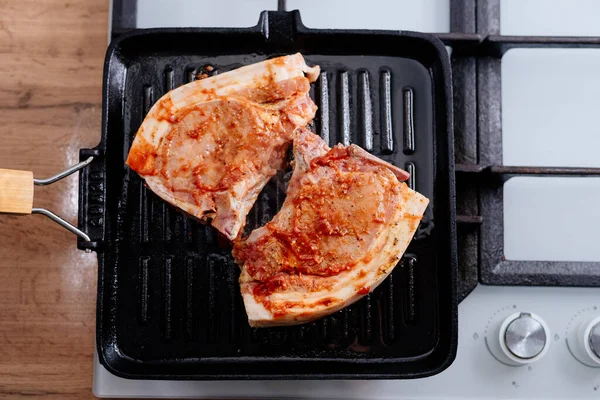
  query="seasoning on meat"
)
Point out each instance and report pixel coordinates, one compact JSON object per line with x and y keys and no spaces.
{"x":346,"y":221}
{"x":209,"y":147}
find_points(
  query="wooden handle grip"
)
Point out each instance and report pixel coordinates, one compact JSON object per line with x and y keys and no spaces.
{"x":16,"y":191}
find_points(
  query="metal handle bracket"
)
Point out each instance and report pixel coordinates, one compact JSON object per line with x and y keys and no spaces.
{"x":60,"y":221}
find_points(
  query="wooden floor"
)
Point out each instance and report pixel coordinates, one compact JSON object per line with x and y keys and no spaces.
{"x":51,"y":56}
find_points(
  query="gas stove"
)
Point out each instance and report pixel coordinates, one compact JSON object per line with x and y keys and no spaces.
{"x":526,"y":161}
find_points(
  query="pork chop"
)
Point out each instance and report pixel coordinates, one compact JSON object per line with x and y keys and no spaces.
{"x":345,"y":223}
{"x":209,"y":147}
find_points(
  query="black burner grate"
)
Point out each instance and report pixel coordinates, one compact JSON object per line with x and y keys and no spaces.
{"x":477,"y":52}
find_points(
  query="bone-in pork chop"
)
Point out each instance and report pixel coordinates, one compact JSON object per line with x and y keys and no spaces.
{"x":210,"y":146}
{"x":346,"y":221}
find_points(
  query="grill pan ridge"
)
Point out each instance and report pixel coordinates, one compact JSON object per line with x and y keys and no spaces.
{"x":168,"y":299}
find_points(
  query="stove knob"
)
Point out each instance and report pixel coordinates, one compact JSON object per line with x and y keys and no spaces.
{"x":594,"y":340}
{"x":587,"y":342}
{"x":523,"y":338}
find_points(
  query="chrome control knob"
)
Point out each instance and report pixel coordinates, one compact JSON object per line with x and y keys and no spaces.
{"x":594,"y":340}
{"x":522,"y":338}
{"x":584,"y":341}
{"x":525,"y":337}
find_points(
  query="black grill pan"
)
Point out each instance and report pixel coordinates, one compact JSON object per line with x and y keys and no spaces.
{"x":168,"y":300}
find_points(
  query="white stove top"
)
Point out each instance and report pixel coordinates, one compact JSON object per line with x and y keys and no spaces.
{"x":475,"y":374}
{"x":550,"y":109}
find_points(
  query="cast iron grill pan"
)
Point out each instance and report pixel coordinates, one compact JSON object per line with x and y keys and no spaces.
{"x":168,"y":299}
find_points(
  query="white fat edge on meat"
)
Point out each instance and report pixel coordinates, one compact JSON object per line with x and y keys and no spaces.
{"x":347,"y":285}
{"x":227,"y":83}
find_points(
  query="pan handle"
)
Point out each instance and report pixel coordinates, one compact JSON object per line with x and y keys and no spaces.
{"x":16,"y":191}
{"x":16,"y":194}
